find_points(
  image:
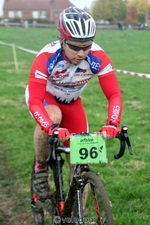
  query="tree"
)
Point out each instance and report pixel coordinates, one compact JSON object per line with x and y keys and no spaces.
{"x":140,"y":6}
{"x":111,"y":10}
{"x":132,"y":17}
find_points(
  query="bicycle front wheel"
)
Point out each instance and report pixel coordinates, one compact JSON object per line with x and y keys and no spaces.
{"x":95,"y":203}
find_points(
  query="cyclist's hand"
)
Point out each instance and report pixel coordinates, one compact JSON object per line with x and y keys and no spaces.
{"x":52,"y":128}
{"x":63,"y":133}
{"x":109,"y":131}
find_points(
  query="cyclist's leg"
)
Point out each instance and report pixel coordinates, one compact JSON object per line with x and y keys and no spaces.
{"x":41,"y":152}
{"x":41,"y":138}
{"x":41,"y":147}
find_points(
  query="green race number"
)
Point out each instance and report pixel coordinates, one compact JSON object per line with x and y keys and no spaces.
{"x":87,"y":149}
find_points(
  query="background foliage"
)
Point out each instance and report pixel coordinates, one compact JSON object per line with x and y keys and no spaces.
{"x":131,"y":11}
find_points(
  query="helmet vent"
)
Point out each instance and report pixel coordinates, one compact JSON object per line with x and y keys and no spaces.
{"x":83,"y":26}
{"x":77,"y":28}
{"x":85,"y":16}
{"x":89,"y":27}
{"x":70,"y":28}
{"x":70,"y":16}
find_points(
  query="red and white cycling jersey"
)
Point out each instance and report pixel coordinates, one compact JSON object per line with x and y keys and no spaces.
{"x":51,"y":72}
{"x":66,"y":81}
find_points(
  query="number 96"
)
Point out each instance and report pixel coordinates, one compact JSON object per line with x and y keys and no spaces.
{"x":84,"y":153}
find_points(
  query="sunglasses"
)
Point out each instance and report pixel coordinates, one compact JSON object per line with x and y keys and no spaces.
{"x":78,"y":48}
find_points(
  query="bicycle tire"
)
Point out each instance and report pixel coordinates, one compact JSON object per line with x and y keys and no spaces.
{"x":45,"y":213}
{"x":97,"y":209}
{"x":38,"y":215}
{"x":98,"y":194}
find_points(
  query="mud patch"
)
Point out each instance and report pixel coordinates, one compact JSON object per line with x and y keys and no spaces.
{"x":13,"y":210}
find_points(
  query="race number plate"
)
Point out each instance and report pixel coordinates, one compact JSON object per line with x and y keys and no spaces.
{"x":87,"y":149}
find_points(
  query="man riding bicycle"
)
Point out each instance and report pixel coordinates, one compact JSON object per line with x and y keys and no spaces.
{"x":57,"y":78}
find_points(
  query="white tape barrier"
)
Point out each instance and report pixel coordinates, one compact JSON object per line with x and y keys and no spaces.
{"x":133,"y":73}
{"x":19,"y":47}
{"x":27,"y":50}
{"x":116,"y":70}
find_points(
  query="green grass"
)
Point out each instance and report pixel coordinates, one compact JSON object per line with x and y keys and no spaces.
{"x":127,"y":180}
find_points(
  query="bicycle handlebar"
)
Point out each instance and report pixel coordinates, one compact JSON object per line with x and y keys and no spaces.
{"x":124,"y":139}
{"x":122,"y":136}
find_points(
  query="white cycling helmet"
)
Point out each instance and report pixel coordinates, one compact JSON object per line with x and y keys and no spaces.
{"x":76,"y":25}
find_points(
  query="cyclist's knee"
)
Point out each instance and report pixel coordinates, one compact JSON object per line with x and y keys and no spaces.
{"x":54,"y":113}
{"x":41,"y":137}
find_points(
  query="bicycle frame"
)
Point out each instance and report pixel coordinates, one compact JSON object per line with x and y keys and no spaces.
{"x":56,"y":167}
{"x":55,"y":162}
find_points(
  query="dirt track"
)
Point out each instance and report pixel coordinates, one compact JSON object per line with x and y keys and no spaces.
{"x":12,"y":204}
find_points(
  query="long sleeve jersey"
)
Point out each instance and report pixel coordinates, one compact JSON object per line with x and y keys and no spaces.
{"x":52,"y":72}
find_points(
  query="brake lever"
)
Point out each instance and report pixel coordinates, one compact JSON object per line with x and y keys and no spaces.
{"x":124,"y":139}
{"x":53,"y":142}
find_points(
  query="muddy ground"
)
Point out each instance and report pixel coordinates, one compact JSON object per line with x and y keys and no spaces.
{"x":14,"y":207}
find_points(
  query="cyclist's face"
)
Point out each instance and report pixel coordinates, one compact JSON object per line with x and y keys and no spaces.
{"x":76,"y":51}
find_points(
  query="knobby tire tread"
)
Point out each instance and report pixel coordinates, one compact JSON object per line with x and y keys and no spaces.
{"x":94,"y":180}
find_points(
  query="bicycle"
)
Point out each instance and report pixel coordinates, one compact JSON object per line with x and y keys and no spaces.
{"x":86,"y":201}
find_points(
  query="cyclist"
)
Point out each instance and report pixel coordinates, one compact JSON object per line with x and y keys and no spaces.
{"x":57,"y":78}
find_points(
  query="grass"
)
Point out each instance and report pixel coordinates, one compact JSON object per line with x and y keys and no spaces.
{"x":127,"y":180}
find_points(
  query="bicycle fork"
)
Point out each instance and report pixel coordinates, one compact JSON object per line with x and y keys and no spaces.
{"x":80,"y":184}
{"x":57,"y":170}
